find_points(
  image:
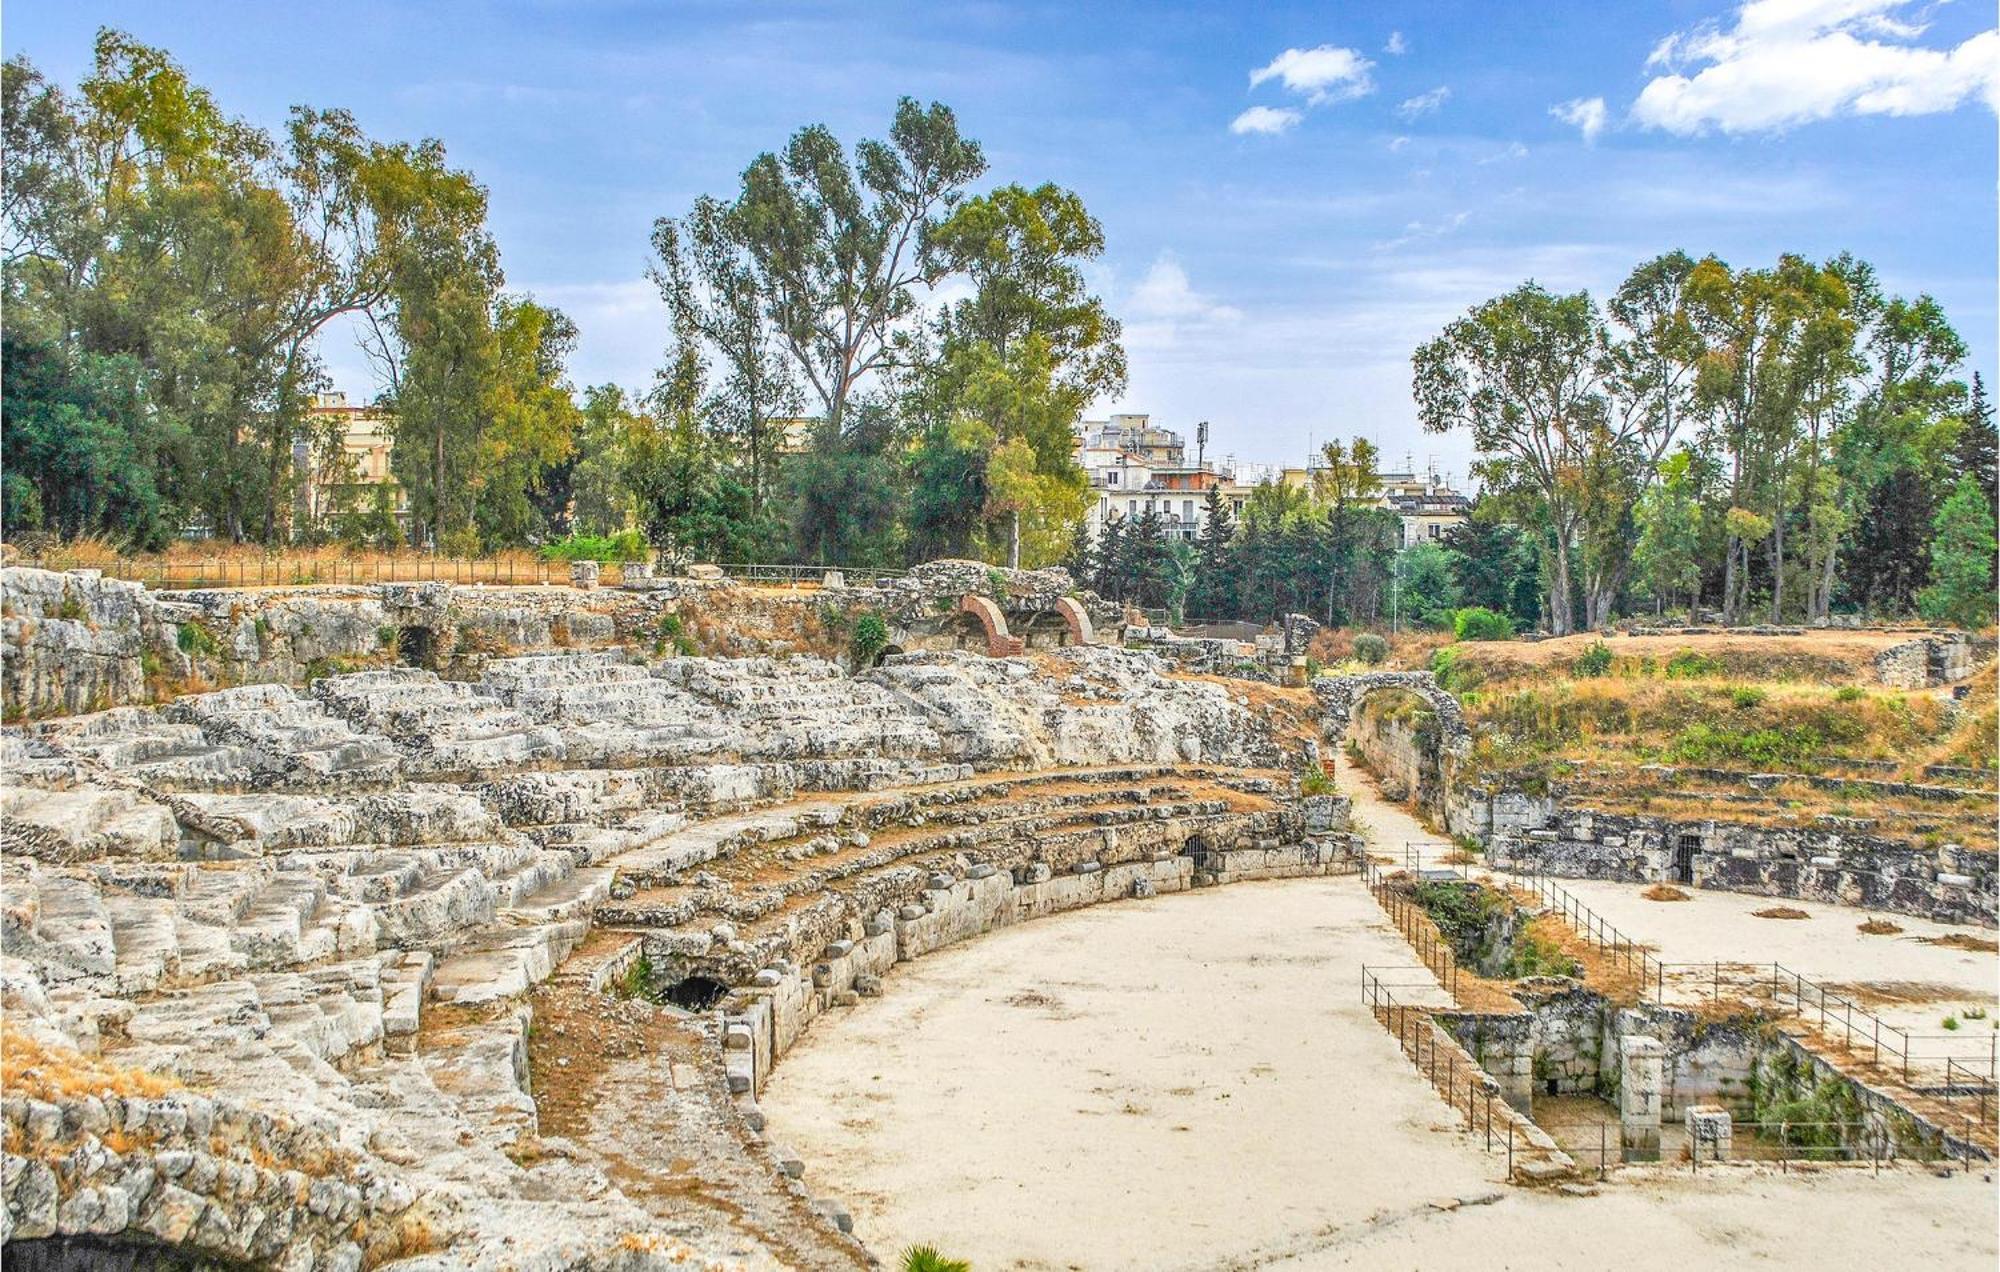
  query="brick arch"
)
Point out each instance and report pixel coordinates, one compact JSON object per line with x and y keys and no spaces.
{"x":1078,"y":620}
{"x":1338,"y":696}
{"x":1000,"y":643}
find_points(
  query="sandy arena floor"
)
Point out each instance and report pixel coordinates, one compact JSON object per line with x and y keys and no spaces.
{"x":1191,"y":1082}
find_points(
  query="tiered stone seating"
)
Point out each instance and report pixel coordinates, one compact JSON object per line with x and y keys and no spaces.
{"x":442,"y":726}
{"x":336,"y":903}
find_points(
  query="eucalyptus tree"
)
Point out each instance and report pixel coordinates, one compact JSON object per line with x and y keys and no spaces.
{"x":1525,"y":374}
{"x":841,"y":249}
{"x":710,"y":282}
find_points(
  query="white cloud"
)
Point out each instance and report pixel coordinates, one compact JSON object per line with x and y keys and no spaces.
{"x":1264,"y":119}
{"x":1513,"y":150}
{"x":1417,"y":231}
{"x":1424,"y":103}
{"x":1165,"y":294}
{"x":1165,"y":304}
{"x":1397,"y":45}
{"x":1790,"y":62}
{"x":1397,"y":143}
{"x":1327,"y":73}
{"x":1586,"y":114}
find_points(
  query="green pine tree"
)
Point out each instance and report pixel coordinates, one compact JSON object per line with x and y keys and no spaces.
{"x":1962,"y":560}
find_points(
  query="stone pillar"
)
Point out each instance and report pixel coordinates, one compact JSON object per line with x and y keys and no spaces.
{"x":636,"y":575}
{"x":1711,"y":1132}
{"x":1641,"y":1067}
{"x":583,"y":574}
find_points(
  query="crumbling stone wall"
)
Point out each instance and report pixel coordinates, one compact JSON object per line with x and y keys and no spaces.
{"x":1949,"y":883}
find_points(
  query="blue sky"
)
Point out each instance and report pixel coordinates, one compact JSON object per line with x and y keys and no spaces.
{"x":1293,"y":195}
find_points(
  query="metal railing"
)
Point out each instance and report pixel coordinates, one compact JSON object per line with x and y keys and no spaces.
{"x":1426,"y":938}
{"x":1465,"y":1086}
{"x":295,"y":569}
{"x":1784,"y":1142}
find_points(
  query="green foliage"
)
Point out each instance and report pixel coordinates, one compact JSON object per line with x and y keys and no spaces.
{"x":1455,"y":673}
{"x":1962,"y":560}
{"x":1427,"y":590}
{"x":1461,"y":910}
{"x":1370,"y":649}
{"x":673,"y":634}
{"x":77,"y":448}
{"x":386,"y":636}
{"x":70,"y":607}
{"x":1849,"y":693}
{"x":625,"y":545}
{"x":1686,"y":664}
{"x":871,"y":637}
{"x":1707,"y":744}
{"x":927,"y":1259}
{"x":1594,"y":661}
{"x":1476,"y":622}
{"x":1314,"y":781}
{"x":196,"y":641}
{"x":636,"y":981}
{"x":1533,"y":956}
{"x":1745,"y":697}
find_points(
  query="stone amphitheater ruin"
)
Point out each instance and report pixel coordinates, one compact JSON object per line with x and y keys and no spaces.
{"x":341,"y":964}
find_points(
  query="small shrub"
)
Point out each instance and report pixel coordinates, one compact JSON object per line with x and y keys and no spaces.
{"x":1594,"y":661}
{"x":1476,"y":622}
{"x":70,"y":607}
{"x":1975,"y":1013}
{"x":1370,"y":649}
{"x":1879,"y":927}
{"x":996,"y":582}
{"x":871,"y":637}
{"x":1664,"y":892}
{"x":927,"y":1259}
{"x":385,"y":636}
{"x":1849,"y":693}
{"x":196,"y":641}
{"x":1743,"y":698}
{"x":262,"y":626}
{"x":626,"y":545}
{"x":673,"y":635}
{"x":1314,"y":781}
{"x":1950,"y":1022}
{"x":1314,"y":668}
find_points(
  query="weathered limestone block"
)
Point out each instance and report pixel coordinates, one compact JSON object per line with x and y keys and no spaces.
{"x":1641,"y":1061}
{"x":1710,"y":1132}
{"x":966,"y":908}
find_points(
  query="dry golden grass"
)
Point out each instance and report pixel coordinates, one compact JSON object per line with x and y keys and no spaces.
{"x":48,"y":1073}
{"x":1964,"y":941}
{"x":206,"y":563}
{"x":1779,"y":912}
{"x":1615,"y":974}
{"x":1878,"y":927}
{"x":1664,"y":892}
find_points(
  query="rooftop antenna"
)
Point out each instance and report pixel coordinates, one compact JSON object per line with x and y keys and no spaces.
{"x":1201,"y":443}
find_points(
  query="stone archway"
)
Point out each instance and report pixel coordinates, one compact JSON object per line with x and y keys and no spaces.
{"x":1339,"y":695}
{"x":1000,"y":643}
{"x":1413,"y":759}
{"x":1080,"y":630}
